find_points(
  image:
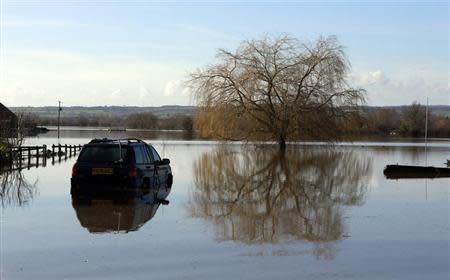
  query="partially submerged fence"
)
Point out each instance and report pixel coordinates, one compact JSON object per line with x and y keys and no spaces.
{"x":35,"y":156}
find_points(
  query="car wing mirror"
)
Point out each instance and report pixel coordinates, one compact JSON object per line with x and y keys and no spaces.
{"x":164,"y":161}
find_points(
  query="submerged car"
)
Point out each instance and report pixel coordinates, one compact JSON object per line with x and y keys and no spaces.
{"x":121,"y":164}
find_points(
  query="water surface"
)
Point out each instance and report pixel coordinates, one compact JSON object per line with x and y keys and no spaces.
{"x":236,"y":211}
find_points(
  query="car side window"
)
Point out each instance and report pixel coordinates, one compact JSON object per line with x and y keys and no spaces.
{"x":139,"y":155}
{"x":148,"y":159}
{"x":149,"y":153}
{"x":155,"y":154}
{"x":142,"y":156}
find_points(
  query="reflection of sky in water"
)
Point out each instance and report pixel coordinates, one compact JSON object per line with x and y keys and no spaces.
{"x":400,"y":231}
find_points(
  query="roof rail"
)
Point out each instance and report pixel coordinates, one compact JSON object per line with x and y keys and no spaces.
{"x":107,"y":140}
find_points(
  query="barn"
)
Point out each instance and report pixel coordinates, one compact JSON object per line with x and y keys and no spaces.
{"x":8,"y":120}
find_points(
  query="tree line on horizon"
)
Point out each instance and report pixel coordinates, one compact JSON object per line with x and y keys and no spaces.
{"x":145,"y":120}
{"x":406,"y":121}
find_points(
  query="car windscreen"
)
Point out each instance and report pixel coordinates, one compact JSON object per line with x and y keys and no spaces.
{"x":103,"y":154}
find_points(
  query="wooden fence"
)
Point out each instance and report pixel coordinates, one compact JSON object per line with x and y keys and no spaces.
{"x":34,"y":156}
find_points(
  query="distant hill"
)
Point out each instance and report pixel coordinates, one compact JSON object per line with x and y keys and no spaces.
{"x":161,"y":112}
{"x":51,"y":111}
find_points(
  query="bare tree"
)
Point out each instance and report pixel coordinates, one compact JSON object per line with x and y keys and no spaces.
{"x":413,"y":119}
{"x":276,"y":89}
{"x":145,"y":120}
{"x":384,"y":121}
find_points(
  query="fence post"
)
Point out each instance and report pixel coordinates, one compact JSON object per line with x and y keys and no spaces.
{"x":53,"y":154}
{"x":29,"y":157}
{"x":37,"y":158}
{"x":19,"y":150}
{"x":45,"y":155}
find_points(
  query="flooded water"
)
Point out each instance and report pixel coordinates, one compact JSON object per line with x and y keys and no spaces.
{"x":235,"y":212}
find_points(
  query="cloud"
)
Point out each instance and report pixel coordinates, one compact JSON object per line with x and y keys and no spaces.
{"x":368,"y":78}
{"x":171,"y":87}
{"x":116,"y":93}
{"x":143,"y":92}
{"x":45,"y":56}
{"x":401,"y":88}
{"x":36,"y":78}
{"x":176,"y":88}
{"x":11,"y":92}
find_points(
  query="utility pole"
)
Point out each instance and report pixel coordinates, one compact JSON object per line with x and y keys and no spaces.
{"x":426,"y":133}
{"x":59,"y":115}
{"x":426,"y":146}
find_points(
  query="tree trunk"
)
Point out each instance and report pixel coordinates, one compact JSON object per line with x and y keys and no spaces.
{"x":282,"y":144}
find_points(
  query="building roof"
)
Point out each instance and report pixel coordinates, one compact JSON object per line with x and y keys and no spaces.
{"x":6,"y":114}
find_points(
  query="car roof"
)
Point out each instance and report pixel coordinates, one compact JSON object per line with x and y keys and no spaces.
{"x":125,"y":141}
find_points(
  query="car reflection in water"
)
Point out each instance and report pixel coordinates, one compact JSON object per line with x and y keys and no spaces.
{"x":119,"y":211}
{"x":256,"y":195}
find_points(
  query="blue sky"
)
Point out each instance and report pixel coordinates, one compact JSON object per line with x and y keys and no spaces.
{"x":107,"y":52}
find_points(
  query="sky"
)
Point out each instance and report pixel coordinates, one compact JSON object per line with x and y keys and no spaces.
{"x":139,"y":53}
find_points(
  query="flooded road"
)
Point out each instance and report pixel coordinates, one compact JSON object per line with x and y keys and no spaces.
{"x":235,"y":212}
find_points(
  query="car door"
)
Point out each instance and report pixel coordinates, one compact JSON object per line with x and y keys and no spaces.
{"x":144,"y":163}
{"x":163,"y":169}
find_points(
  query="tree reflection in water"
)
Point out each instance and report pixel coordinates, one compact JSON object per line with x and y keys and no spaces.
{"x":258,"y":195}
{"x":15,"y":190}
